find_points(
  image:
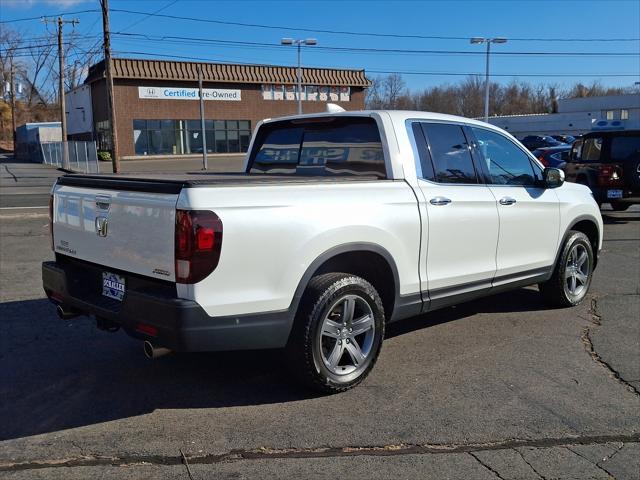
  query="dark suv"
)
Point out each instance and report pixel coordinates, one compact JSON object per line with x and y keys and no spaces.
{"x":609,"y":164}
{"x":533,"y":142}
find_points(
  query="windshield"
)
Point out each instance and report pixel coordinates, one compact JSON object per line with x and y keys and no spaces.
{"x":321,"y":146}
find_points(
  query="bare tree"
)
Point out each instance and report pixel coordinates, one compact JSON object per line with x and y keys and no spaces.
{"x":40,"y":57}
{"x":470,"y":95}
{"x":394,"y":88}
{"x":10,"y":41}
{"x":373,"y":99}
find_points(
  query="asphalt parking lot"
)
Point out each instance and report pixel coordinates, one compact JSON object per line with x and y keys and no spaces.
{"x":498,"y":388}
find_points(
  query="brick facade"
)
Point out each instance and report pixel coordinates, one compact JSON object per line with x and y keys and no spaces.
{"x":252,"y":107}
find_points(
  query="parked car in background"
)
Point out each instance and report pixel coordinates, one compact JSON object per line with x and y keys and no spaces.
{"x":609,"y":164}
{"x":533,"y":142}
{"x":555,"y":157}
{"x":568,"y":139}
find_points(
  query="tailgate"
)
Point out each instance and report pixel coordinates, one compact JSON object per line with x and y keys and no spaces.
{"x":127,"y":229}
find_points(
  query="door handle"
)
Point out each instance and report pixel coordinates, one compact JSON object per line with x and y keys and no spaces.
{"x":439,"y":201}
{"x":507,"y":201}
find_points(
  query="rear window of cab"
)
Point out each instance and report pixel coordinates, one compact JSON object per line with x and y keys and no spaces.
{"x":321,"y":146}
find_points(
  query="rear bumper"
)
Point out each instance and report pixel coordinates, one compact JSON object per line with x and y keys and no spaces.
{"x":631,"y":200}
{"x":631,"y":196}
{"x":166,"y":321}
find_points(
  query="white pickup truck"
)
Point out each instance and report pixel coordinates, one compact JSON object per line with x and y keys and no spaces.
{"x":341,"y":223}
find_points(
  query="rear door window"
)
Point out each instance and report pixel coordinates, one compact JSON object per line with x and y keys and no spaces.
{"x":452,"y":162}
{"x":625,"y":148}
{"x":591,"y":149}
{"x":321,"y":146}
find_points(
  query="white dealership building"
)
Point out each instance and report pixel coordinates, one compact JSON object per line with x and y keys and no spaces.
{"x":576,"y":116}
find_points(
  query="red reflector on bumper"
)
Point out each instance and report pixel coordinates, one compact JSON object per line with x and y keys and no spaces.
{"x":147,"y":329}
{"x":56,"y":296}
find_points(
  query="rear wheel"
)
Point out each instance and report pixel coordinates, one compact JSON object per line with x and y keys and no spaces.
{"x":337,"y":334}
{"x":571,"y":277}
{"x":620,"y":207}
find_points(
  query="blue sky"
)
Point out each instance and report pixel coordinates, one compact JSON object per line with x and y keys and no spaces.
{"x":513,"y":19}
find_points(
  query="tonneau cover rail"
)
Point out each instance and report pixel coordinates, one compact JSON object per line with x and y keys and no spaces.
{"x":125,"y":184}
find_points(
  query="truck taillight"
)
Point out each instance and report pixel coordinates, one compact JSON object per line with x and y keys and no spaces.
{"x":543,"y":161}
{"x":51,"y":221}
{"x":610,"y":175}
{"x":198,"y":242}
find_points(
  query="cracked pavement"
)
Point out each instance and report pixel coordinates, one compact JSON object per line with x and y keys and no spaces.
{"x":498,"y":388}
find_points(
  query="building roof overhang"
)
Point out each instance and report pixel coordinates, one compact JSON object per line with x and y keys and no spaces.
{"x":145,"y":69}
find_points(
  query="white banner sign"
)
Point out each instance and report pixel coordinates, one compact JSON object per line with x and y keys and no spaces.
{"x":165,"y":93}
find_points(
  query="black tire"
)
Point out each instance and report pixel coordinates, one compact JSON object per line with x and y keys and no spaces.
{"x":557,"y":290}
{"x":620,"y":207}
{"x":306,"y":343}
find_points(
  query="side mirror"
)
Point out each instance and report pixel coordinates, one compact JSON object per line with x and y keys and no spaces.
{"x":553,"y":177}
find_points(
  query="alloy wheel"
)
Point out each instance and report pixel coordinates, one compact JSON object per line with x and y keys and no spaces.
{"x":346,"y":335}
{"x":576,"y":273}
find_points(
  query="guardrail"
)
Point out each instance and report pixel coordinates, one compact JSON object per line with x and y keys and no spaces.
{"x":75,"y":156}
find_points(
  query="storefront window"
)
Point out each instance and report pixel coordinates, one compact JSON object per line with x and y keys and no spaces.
{"x":221,"y":141}
{"x":175,"y":137}
{"x":157,"y":137}
{"x":234,"y":141}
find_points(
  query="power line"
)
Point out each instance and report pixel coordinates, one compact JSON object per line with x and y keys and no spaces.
{"x":30,"y":47}
{"x":79,"y":12}
{"x":153,"y":14}
{"x":367,"y":34}
{"x":375,"y":50}
{"x":462,"y":74}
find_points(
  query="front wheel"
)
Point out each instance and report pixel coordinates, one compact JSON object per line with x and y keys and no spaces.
{"x":572,"y":274}
{"x":337,"y":334}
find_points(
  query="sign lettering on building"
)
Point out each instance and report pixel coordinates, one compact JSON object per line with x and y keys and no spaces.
{"x":166,"y":93}
{"x":310,"y":93}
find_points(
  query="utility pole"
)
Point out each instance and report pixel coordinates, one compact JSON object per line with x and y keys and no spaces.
{"x":108,"y":68}
{"x":63,"y":108}
{"x":12,"y":92}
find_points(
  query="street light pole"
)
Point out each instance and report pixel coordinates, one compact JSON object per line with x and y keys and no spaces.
{"x":486,"y":85}
{"x":488,"y":41}
{"x":299,"y":75}
{"x":298,"y":43}
{"x":202,"y":130}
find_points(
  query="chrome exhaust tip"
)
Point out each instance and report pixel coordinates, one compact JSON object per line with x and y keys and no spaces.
{"x":66,"y":313}
{"x":150,"y":351}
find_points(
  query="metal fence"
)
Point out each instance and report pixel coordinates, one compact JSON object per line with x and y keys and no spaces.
{"x":76,"y":156}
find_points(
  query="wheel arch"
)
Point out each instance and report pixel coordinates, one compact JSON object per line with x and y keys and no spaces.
{"x":589,"y":226}
{"x":366,"y":260}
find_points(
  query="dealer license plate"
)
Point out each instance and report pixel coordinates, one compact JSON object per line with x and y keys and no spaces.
{"x":113,"y":285}
{"x":614,"y":193}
